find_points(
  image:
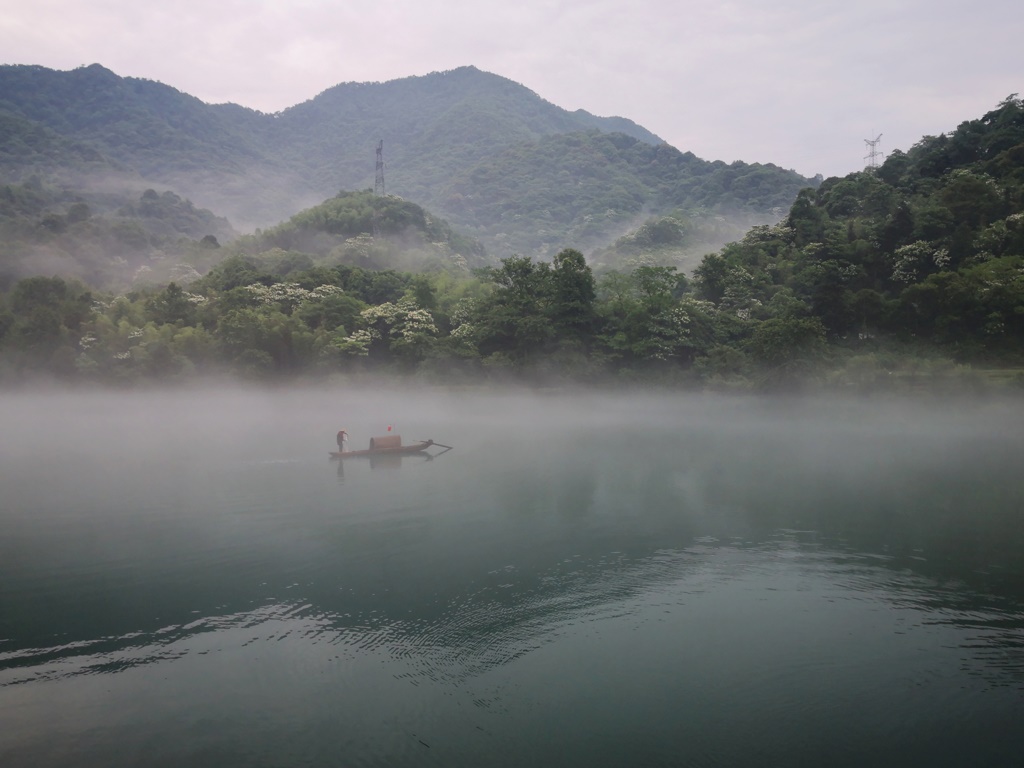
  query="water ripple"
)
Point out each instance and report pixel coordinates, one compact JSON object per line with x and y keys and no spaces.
{"x":514,"y":614}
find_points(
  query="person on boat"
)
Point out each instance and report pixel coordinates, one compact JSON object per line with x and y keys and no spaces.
{"x":342,"y":440}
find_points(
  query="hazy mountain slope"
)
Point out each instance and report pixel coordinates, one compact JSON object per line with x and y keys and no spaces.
{"x":109,"y":240}
{"x":680,"y":239}
{"x":214,"y":154}
{"x":28,"y":146}
{"x":585,"y":189}
{"x":140,"y":123}
{"x":482,"y":151}
{"x":432,"y":126}
{"x":338,"y":231}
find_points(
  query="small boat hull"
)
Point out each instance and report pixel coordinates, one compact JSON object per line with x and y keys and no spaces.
{"x":399,"y":450}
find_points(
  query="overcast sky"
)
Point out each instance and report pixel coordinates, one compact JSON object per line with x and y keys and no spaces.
{"x":798,"y":83}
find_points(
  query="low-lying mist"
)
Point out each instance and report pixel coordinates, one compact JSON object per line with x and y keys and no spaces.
{"x":166,"y":535}
{"x":165,"y":485}
{"x":893,"y":476}
{"x":301,"y":420}
{"x":737,"y":450}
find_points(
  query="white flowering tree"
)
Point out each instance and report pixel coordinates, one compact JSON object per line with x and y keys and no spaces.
{"x":463,"y":339}
{"x":912,"y":262}
{"x":287,"y":297}
{"x":121,"y":351}
{"x":401,"y":329}
{"x":646,"y":322}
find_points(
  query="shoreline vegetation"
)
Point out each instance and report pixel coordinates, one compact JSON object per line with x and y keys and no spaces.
{"x":906,"y":277}
{"x":496,"y":334}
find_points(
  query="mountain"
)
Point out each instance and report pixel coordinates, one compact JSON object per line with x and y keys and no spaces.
{"x":338,"y":231}
{"x":584,"y":189}
{"x":907,"y":275}
{"x":149,"y":134}
{"x":487,"y":154}
{"x":432,"y":127}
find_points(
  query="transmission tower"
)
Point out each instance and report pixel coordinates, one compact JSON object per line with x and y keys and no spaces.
{"x":378,"y":188}
{"x":378,"y":184}
{"x":873,"y":152}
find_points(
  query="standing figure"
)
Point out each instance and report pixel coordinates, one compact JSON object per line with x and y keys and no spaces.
{"x":342,"y":439}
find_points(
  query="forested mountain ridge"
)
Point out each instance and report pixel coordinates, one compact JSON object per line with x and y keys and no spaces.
{"x":605,"y":185}
{"x":458,"y":143}
{"x":144,"y":133}
{"x":894,"y":277}
{"x":118,"y":241}
{"x":369,"y":231}
{"x":924,"y":253}
{"x":470,"y":113}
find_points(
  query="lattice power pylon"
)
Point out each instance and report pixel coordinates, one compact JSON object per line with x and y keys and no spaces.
{"x":378,"y":184}
{"x":378,"y":188}
{"x":873,"y":152}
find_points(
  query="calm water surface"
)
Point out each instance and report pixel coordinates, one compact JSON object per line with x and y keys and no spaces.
{"x":187,"y":579}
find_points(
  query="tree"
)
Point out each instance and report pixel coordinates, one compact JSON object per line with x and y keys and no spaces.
{"x":647,"y":324}
{"x":514,"y":320}
{"x":572,"y":305}
{"x":172,"y":305}
{"x":974,"y":199}
{"x":711,"y":277}
{"x":788,"y":349}
{"x":264,"y":339}
{"x":47,"y":315}
{"x":78,"y":212}
{"x":404,"y":330}
{"x":330,"y":312}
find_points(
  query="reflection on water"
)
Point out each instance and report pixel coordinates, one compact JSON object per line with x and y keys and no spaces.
{"x":724,"y":582}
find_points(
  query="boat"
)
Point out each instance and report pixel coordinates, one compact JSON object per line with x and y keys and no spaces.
{"x":391,"y":445}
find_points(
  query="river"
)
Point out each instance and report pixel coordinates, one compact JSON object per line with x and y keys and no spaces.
{"x":629,"y":579}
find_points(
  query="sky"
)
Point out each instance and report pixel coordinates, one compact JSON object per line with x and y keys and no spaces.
{"x":798,"y":83}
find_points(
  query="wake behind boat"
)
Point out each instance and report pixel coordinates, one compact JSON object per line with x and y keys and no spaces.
{"x":391,"y":445}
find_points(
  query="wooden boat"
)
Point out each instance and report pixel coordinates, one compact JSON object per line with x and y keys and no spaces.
{"x":390,"y":446}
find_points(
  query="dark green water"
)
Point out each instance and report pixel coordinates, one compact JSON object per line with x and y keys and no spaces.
{"x":187,"y":579}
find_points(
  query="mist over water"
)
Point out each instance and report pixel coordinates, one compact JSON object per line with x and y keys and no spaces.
{"x":187,"y":578}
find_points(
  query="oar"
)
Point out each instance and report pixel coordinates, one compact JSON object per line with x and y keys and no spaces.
{"x":439,"y":445}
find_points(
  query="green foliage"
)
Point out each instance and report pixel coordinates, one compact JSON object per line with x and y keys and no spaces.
{"x":572,"y":297}
{"x":172,"y":305}
{"x":365,"y":230}
{"x":788,"y":348}
{"x":678,"y":240}
{"x":649,"y":323}
{"x":583,"y":187}
{"x":512,"y":323}
{"x":929,"y":248}
{"x":879,"y":279}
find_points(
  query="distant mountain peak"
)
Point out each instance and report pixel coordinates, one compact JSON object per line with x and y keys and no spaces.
{"x":488,"y":154}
